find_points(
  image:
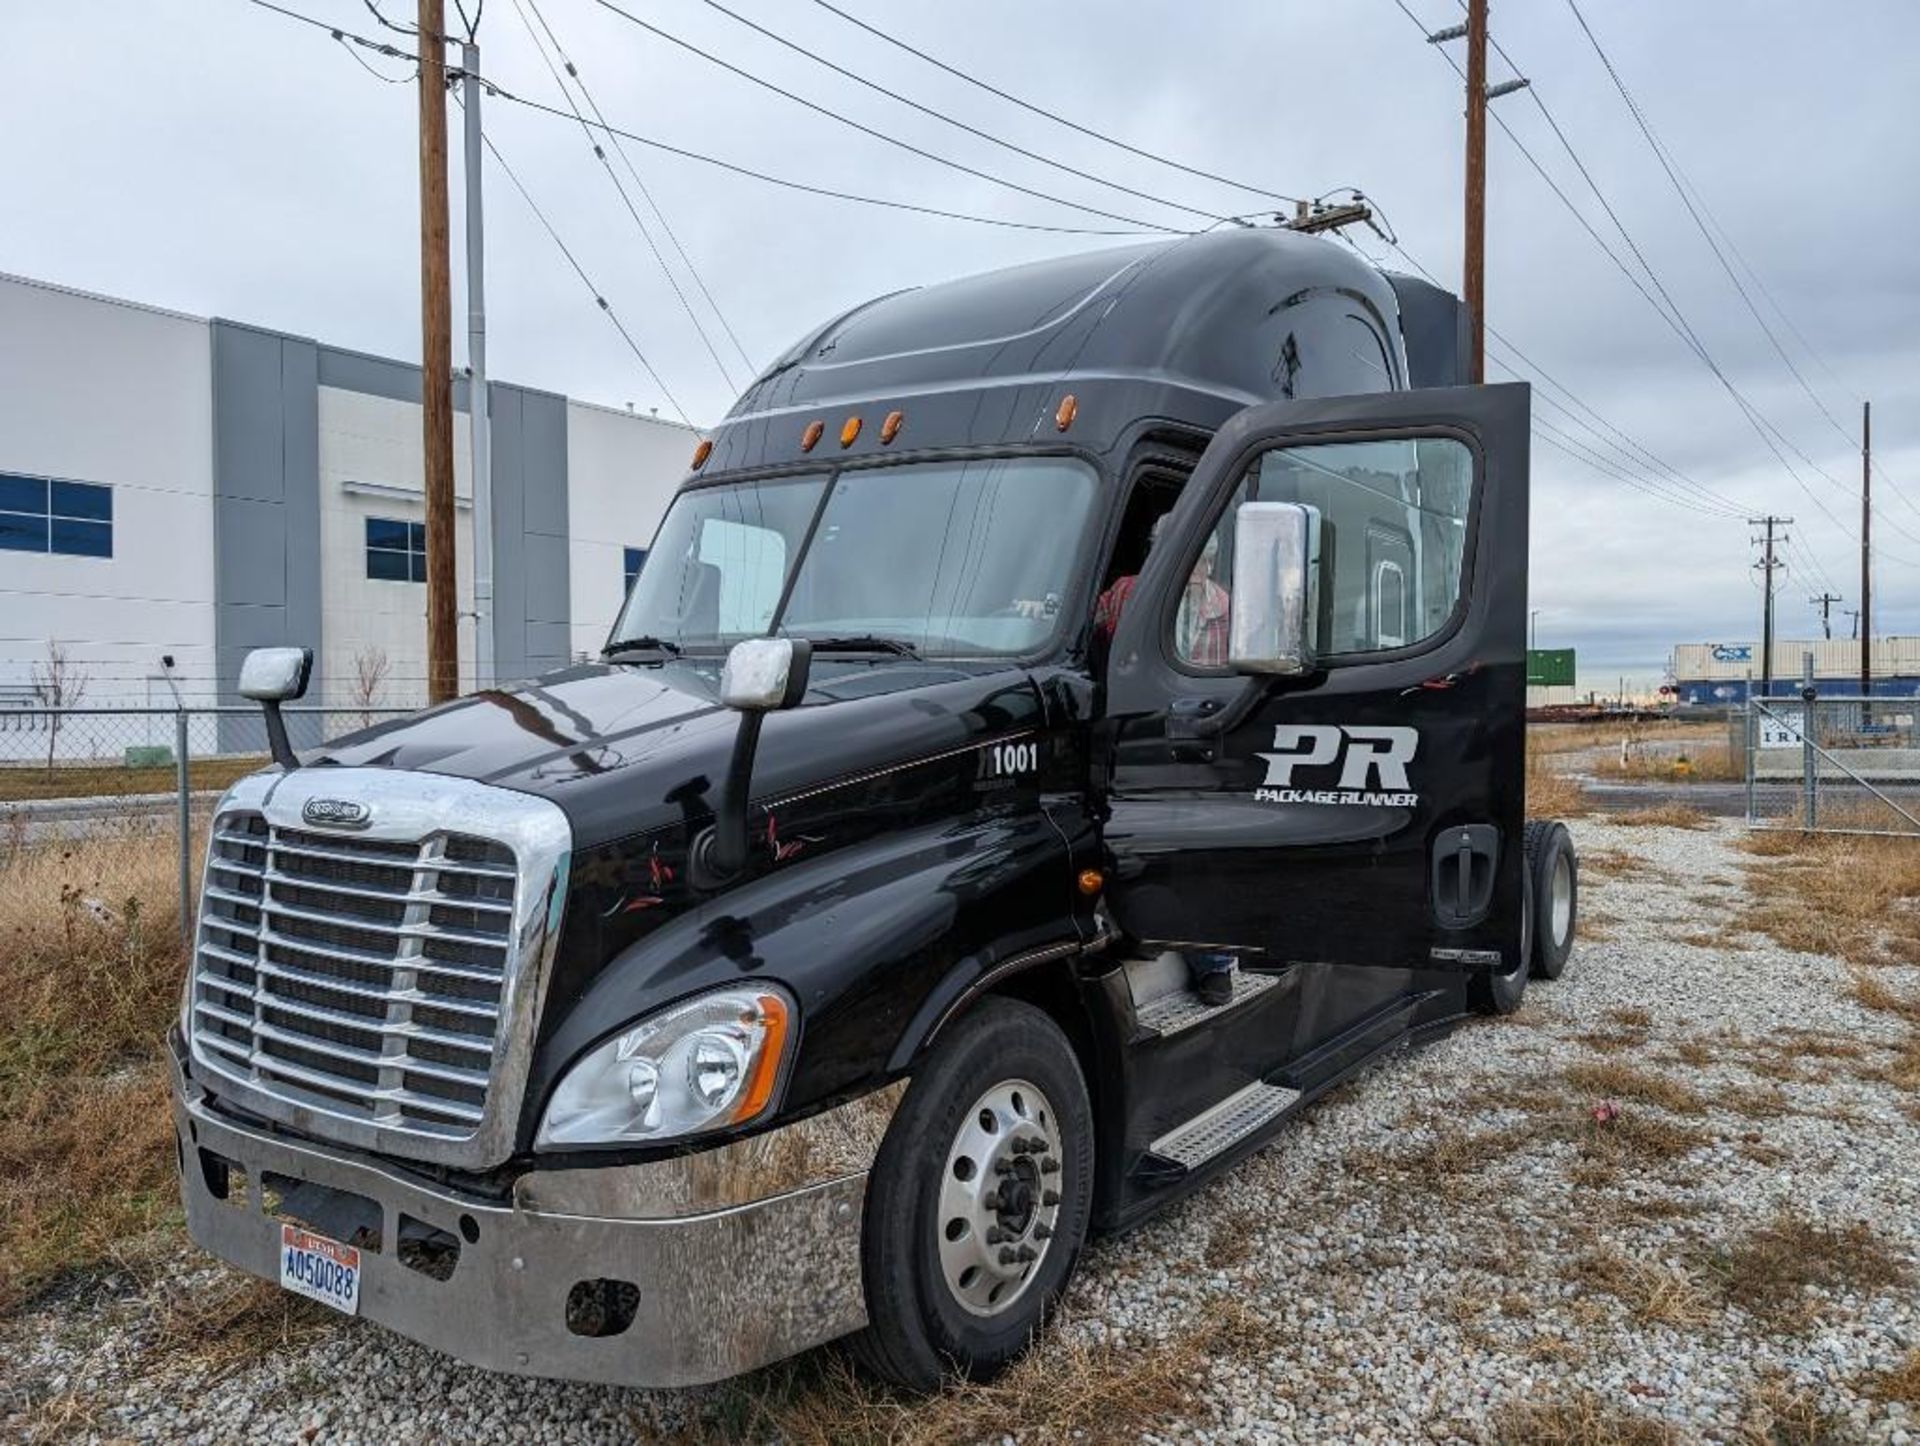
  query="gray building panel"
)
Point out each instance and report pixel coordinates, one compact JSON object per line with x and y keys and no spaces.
{"x":266,"y":494}
{"x":545,"y":426}
{"x":379,"y":376}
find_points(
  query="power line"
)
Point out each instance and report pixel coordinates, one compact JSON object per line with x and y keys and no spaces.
{"x":945,"y":119}
{"x":829,"y":192}
{"x":586,"y":280}
{"x":1674,"y":318}
{"x":614,"y":176}
{"x":879,"y":135}
{"x":1053,"y":116}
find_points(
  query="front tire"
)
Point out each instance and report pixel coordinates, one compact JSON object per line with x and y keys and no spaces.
{"x":1494,"y":993}
{"x":978,"y":1203}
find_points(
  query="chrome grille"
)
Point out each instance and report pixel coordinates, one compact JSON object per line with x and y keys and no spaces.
{"x":365,"y":977}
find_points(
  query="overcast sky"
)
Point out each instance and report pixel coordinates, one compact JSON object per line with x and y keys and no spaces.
{"x":213,"y":157}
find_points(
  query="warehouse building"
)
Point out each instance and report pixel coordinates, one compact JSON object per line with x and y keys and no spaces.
{"x":1716,"y":674}
{"x":175,"y":487}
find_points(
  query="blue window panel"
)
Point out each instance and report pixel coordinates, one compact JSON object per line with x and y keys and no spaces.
{"x":23,"y":494}
{"x":419,"y":561}
{"x":632,"y":560}
{"x":82,"y":539}
{"x":417,"y":536}
{"x":385,"y":532}
{"x":19,"y":533}
{"x":86,"y":500}
{"x":386,"y":566}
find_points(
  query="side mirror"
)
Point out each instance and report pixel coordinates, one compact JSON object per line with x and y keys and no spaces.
{"x":764,"y":675}
{"x":760,"y":676}
{"x":271,"y":676}
{"x":1276,"y":588}
{"x":275,"y":675}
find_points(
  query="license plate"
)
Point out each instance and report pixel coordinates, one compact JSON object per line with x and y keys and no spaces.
{"x":320,"y":1269}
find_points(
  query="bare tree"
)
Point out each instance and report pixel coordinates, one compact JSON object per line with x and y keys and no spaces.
{"x":57,"y":683}
{"x":370,"y":669}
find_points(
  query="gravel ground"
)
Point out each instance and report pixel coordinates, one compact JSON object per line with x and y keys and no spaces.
{"x":1450,"y":1240}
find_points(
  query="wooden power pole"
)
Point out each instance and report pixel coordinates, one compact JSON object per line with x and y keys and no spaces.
{"x":436,"y":361}
{"x":1866,"y":553}
{"x":1473,"y":271}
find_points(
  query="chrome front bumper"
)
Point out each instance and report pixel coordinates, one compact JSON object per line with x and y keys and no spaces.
{"x":724,"y":1285}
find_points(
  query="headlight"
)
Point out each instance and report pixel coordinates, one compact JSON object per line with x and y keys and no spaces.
{"x":702,"y":1065}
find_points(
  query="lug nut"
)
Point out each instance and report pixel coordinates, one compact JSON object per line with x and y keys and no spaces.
{"x":1003,"y":1167}
{"x":995,"y":1235}
{"x":1027,"y":1252}
{"x":1043,"y":1232}
{"x":1008,"y":1255}
{"x":990,"y":1200}
{"x":1050,"y":1197}
{"x":1049,"y":1166}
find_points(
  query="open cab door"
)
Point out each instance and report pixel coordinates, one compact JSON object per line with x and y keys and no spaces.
{"x":1317,"y":698}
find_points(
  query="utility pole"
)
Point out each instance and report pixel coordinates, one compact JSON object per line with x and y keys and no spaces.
{"x":1866,"y":556}
{"x":436,"y":361}
{"x":479,"y":417}
{"x":1768,"y":565}
{"x":1825,"y":602}
{"x":1853,"y":613}
{"x":1474,"y":263}
{"x":1473,"y":273}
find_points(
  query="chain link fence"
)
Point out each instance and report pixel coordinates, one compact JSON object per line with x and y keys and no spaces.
{"x":1832,"y":764}
{"x":119,"y":797}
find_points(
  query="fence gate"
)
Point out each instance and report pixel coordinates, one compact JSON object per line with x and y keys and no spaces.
{"x":1833,"y":764}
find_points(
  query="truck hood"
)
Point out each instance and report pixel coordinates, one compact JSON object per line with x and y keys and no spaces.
{"x":625,"y":749}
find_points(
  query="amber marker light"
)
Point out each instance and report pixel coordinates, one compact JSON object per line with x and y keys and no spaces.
{"x":890,"y":428}
{"x":849,"y":429}
{"x":1064,"y":414}
{"x":766,"y":1064}
{"x":810,"y":438}
{"x":1091,"y":881}
{"x":702,"y":452}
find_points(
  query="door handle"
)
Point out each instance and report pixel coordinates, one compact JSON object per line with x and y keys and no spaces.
{"x":1465,"y":859}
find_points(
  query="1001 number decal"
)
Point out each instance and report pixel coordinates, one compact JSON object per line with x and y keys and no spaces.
{"x":1006,"y":759}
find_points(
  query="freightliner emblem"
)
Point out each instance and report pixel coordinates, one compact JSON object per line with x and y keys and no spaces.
{"x":336,"y":813}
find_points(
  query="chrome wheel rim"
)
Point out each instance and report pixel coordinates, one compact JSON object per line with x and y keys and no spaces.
{"x":999,"y":1197}
{"x":1562,"y":912}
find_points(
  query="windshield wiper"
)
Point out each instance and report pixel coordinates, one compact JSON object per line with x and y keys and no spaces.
{"x":864,"y":643}
{"x":645,"y":643}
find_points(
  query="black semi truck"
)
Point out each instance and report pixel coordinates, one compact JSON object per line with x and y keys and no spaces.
{"x":815,"y":963}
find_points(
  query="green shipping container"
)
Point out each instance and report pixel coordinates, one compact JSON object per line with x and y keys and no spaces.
{"x":1549,"y":667}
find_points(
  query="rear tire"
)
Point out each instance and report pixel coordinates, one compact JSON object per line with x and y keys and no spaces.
{"x":995,"y":1134}
{"x":1494,"y":993}
{"x":1555,"y":872}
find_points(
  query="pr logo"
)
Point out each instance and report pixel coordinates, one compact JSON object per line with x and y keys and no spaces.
{"x":1372,"y":761}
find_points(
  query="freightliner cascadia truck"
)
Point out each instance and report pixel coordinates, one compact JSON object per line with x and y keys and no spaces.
{"x":817,"y":962}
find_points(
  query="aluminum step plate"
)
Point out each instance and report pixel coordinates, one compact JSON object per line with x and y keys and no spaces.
{"x":1225,"y":1125}
{"x":1183,"y":1009}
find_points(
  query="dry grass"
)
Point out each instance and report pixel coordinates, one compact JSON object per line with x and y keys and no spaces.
{"x":1064,"y":1390}
{"x":85,"y":1154}
{"x":1233,"y":1234}
{"x":1899,"y":1382}
{"x":1779,"y":1413}
{"x":1656,"y":1292}
{"x":235,"y":1321}
{"x":1711,"y":760}
{"x":1612,"y":1079}
{"x":1666,"y":815}
{"x":97,"y":780}
{"x":1769,"y":1271}
{"x":1553,"y":794}
{"x":1849,"y":896}
{"x":1584,"y":1418}
{"x":1548,"y":738}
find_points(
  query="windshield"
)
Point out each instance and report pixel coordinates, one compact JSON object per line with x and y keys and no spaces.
{"x":953,"y":558}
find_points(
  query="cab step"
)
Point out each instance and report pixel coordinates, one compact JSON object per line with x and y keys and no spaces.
{"x":1182,"y":1009}
{"x":1218,"y":1129}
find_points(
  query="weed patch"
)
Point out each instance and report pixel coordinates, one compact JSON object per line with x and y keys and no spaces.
{"x":1584,"y":1418}
{"x":1612,"y":1079}
{"x":1769,"y":1271}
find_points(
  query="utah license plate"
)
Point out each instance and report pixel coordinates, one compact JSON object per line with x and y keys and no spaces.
{"x":320,"y":1269}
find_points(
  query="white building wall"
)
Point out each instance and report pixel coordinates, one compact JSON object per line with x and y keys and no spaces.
{"x":372,"y":465}
{"x":103,"y":391}
{"x":622,"y":472}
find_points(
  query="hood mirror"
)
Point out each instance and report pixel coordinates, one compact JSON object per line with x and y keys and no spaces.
{"x":761,"y":676}
{"x":272,"y":676}
{"x":1275,"y":622}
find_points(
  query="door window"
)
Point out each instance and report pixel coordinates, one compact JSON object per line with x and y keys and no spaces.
{"x":1393,"y":531}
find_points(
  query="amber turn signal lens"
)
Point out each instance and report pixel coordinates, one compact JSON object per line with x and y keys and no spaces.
{"x":890,"y":428}
{"x":766,"y":1066}
{"x":701,"y":453}
{"x":849,"y":429}
{"x":1064,"y":414}
{"x":810,"y":438}
{"x":1091,"y":881}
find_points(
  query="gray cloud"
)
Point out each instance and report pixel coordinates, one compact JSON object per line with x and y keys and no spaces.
{"x":216,"y":158}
